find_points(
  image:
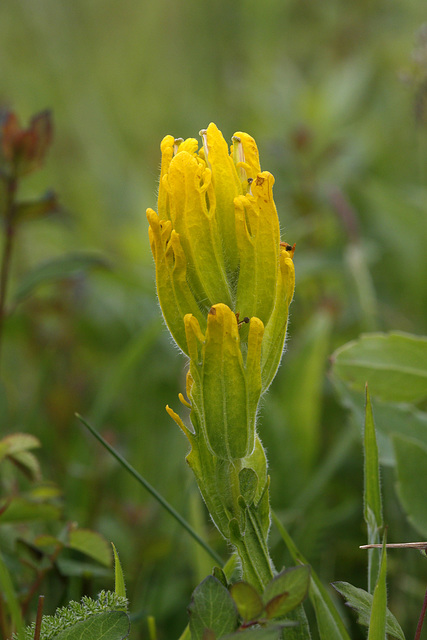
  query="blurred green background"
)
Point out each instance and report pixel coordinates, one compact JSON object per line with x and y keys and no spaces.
{"x":336,"y":96}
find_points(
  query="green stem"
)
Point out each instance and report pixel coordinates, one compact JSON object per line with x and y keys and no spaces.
{"x":252,"y":548}
{"x":9,"y":232}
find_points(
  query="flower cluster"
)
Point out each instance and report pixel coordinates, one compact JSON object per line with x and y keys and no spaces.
{"x":225,"y":282}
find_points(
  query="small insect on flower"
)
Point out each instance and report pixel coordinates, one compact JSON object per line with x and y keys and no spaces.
{"x":289,"y":247}
{"x":245,"y":320}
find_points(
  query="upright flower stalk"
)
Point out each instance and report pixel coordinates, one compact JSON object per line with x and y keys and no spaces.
{"x":225,"y":282}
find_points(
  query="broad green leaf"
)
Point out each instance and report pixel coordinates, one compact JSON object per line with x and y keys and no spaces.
{"x":290,"y":586}
{"x":111,"y":625}
{"x":377,"y":620}
{"x":394,"y":365}
{"x":372,"y":493}
{"x":212,"y":608}
{"x":58,"y":269}
{"x":404,"y":419}
{"x":22,"y":510}
{"x":361,"y":601}
{"x":247,"y":600}
{"x":119,"y":580}
{"x":411,"y":459}
{"x":329,"y":623}
{"x":91,"y":544}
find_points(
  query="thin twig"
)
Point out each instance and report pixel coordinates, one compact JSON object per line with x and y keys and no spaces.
{"x":421,"y":618}
{"x":39,"y":616}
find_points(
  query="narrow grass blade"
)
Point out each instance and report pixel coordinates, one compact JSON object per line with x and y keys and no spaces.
{"x":10,"y":598}
{"x":119,"y":580}
{"x":372,"y":493}
{"x":377,"y":623}
{"x":153,"y":491}
{"x":329,"y":623}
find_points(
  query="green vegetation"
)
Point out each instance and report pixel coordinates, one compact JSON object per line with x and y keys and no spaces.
{"x":336,"y":99}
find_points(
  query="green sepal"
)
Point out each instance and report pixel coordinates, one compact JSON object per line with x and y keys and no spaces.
{"x":248,"y":483}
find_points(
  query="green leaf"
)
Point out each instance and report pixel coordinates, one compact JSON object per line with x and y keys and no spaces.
{"x":58,"y":269}
{"x":212,"y":608}
{"x":406,"y":420}
{"x":393,"y":364}
{"x":119,"y":580}
{"x":329,"y":623}
{"x":17,"y":442}
{"x":372,"y":493}
{"x":411,"y":459}
{"x":22,"y":510}
{"x":219,"y":574}
{"x":111,"y":625}
{"x":286,"y":591}
{"x":361,"y":601}
{"x":91,"y":544}
{"x":247,"y":600}
{"x":377,"y":620}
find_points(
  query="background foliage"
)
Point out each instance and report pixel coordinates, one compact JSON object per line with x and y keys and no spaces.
{"x":335,"y":97}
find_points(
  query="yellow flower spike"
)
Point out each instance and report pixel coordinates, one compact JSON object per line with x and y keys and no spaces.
{"x":257,"y":230}
{"x":192,"y":211}
{"x":275,"y":330}
{"x":227,"y":186}
{"x":175,"y":296}
{"x":244,"y":150}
